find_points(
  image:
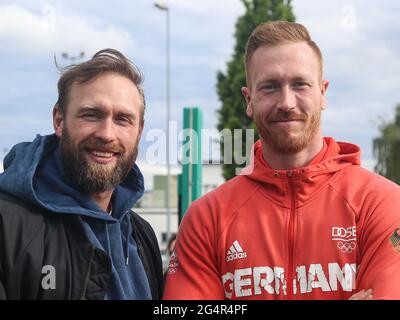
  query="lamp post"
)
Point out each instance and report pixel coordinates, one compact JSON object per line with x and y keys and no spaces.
{"x":165,"y":8}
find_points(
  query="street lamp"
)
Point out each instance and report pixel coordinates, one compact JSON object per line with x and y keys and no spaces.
{"x":165,"y":8}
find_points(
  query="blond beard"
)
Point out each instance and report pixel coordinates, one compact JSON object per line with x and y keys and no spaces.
{"x":283,"y":141}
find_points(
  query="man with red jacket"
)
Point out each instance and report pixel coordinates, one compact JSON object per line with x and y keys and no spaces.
{"x":305,"y":221}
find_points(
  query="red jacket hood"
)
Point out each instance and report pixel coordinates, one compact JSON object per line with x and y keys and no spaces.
{"x":307,"y":180}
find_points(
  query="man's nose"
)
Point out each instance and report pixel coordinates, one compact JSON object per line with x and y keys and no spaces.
{"x":287,"y":100}
{"x":105,"y":130}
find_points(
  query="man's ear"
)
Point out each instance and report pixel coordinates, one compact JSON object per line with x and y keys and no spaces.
{"x":324,"y":88}
{"x":247,"y":97}
{"x":58,"y":120}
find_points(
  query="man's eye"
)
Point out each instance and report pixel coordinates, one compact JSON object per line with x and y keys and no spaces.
{"x":270,"y":87}
{"x":300,"y":85}
{"x":90,"y":115}
{"x":124,"y":120}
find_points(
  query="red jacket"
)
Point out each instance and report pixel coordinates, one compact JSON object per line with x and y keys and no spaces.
{"x":318,"y":232}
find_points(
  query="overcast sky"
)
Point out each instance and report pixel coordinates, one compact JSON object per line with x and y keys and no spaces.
{"x":359,"y":40}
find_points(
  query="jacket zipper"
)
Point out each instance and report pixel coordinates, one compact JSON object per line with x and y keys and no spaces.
{"x":87,"y":275}
{"x":291,"y":235}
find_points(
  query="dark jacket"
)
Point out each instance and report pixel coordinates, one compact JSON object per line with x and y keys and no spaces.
{"x":48,"y":256}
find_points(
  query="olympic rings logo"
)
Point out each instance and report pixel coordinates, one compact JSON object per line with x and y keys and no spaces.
{"x":346,"y":247}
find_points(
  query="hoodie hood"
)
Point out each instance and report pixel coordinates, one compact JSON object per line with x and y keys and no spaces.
{"x":306,"y":181}
{"x":33,"y":172}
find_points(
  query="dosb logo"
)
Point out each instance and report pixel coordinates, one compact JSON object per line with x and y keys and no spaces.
{"x":343,"y":233}
{"x":173,"y":263}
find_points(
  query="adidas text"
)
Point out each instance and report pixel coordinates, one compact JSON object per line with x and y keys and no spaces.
{"x":236,"y":255}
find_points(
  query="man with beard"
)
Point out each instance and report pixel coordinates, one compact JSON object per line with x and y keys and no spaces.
{"x":304,"y":221}
{"x":67,"y":230}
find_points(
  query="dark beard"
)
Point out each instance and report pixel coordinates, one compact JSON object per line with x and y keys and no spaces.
{"x":88,"y":176}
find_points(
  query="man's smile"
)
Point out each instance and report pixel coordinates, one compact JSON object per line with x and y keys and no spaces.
{"x":102,"y":156}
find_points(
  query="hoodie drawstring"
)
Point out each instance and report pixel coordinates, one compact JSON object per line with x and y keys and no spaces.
{"x":128,"y":233}
{"x":108,"y":238}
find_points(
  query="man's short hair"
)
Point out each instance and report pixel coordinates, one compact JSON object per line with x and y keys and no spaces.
{"x":104,"y":61}
{"x":275,"y":33}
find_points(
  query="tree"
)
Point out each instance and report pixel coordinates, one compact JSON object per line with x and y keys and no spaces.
{"x":232,"y":113}
{"x":387,"y":149}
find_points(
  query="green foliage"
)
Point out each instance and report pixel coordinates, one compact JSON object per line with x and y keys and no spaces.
{"x":387,"y":149}
{"x":232,"y":114}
